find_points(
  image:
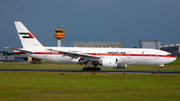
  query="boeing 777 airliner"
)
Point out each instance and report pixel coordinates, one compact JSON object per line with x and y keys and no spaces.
{"x":106,"y":57}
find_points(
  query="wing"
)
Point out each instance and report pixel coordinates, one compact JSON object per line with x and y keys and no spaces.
{"x":77,"y":55}
{"x":21,"y":50}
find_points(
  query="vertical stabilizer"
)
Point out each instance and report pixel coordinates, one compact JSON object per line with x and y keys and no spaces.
{"x":26,"y":37}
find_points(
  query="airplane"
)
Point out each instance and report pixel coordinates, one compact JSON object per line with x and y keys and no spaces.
{"x":106,"y":57}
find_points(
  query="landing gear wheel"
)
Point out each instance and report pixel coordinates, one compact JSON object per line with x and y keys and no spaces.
{"x":160,"y":66}
{"x":84,"y":69}
{"x":159,"y":70}
{"x":91,"y":69}
{"x":94,"y":69}
{"x":88,"y":68}
{"x":98,"y":69}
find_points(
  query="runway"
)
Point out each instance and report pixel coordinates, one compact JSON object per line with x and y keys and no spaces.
{"x":81,"y":71}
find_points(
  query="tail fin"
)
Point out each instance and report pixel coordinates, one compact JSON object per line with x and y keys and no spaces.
{"x":26,"y":37}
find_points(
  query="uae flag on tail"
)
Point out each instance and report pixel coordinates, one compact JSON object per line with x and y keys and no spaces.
{"x":26,"y":35}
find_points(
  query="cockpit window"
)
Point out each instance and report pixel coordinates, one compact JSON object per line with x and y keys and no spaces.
{"x":169,"y":55}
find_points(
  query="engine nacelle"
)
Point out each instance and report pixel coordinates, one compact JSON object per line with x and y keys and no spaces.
{"x":121,"y":66}
{"x":110,"y":62}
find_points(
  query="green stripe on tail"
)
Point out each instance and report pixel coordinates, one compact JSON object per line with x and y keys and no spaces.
{"x":23,"y":33}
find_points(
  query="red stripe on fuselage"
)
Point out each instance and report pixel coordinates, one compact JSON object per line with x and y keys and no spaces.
{"x":147,"y":55}
{"x":20,"y":52}
{"x":102,"y":54}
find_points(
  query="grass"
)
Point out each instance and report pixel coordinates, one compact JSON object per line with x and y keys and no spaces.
{"x":45,"y":86}
{"x":84,"y":86}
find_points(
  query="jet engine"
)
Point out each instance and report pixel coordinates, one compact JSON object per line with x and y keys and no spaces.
{"x":110,"y":62}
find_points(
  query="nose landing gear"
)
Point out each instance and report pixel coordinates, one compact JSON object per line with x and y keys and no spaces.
{"x":160,"y":70}
{"x":160,"y":66}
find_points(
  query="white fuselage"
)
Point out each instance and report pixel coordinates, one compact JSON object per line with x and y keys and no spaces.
{"x":137,"y":56}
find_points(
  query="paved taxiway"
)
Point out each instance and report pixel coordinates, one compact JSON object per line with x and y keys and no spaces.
{"x":80,"y":71}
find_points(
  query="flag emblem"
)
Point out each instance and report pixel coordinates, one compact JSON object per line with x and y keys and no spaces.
{"x":26,"y":35}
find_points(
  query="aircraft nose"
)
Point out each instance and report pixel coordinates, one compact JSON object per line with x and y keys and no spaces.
{"x":173,"y":59}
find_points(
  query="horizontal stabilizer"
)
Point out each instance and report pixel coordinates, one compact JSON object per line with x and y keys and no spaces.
{"x":21,"y":50}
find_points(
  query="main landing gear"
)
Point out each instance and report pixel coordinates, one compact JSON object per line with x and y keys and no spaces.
{"x":91,"y":69}
{"x":88,"y":68}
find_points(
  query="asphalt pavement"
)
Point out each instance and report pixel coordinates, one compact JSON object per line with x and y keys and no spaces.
{"x":102,"y":71}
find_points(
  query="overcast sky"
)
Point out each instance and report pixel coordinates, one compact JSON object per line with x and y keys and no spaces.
{"x":125,"y":21}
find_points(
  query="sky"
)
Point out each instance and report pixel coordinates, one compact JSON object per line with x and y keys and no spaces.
{"x":125,"y":21}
